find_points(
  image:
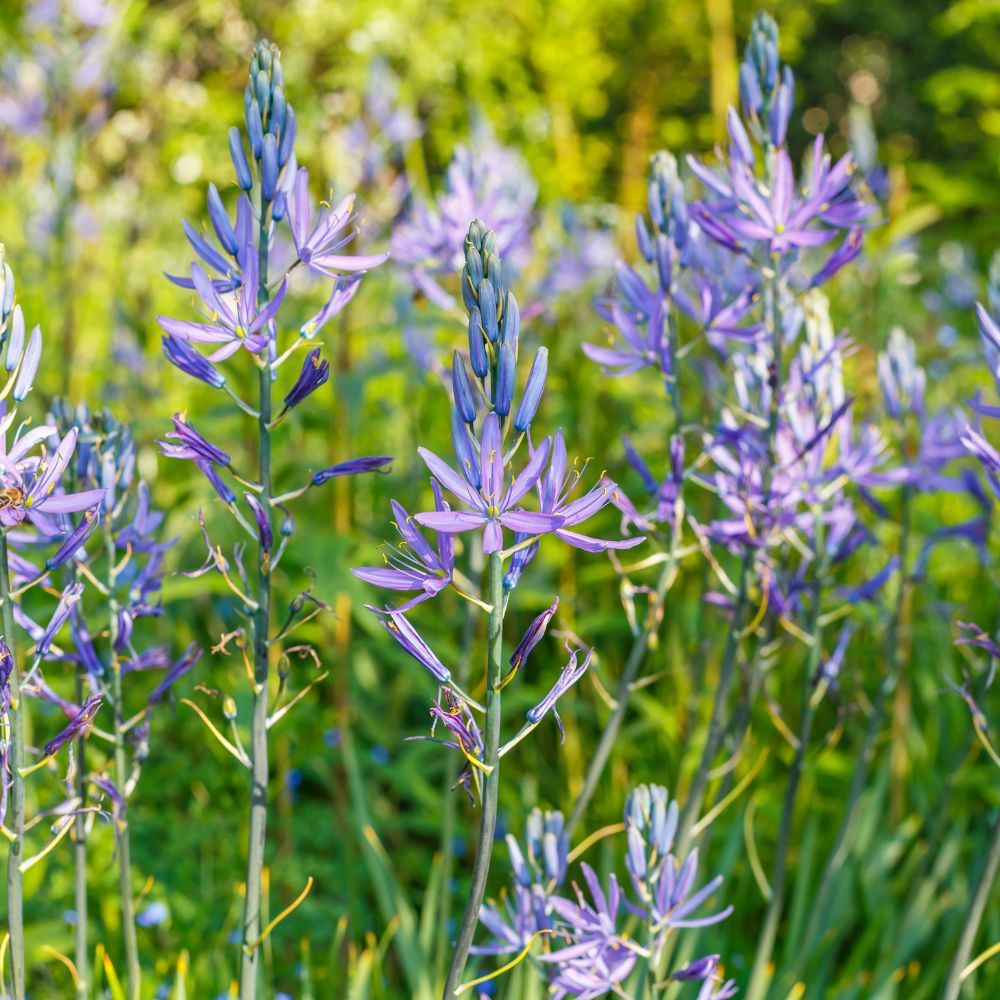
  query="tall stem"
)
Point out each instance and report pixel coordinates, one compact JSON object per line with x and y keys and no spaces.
{"x":769,"y":931}
{"x":862,"y":765}
{"x":15,"y":718}
{"x":640,"y":644}
{"x":599,"y":759}
{"x":133,"y":970}
{"x":977,"y":907}
{"x":250,"y":958}
{"x":491,"y":781}
{"x":717,"y":724}
{"x":81,"y":957}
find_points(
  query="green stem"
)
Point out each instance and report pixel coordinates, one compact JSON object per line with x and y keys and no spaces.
{"x":452,"y":771}
{"x":640,"y":644}
{"x":250,"y":957}
{"x":862,"y":765}
{"x":15,"y":718}
{"x":490,"y":782}
{"x":769,"y":931}
{"x":81,"y":956}
{"x":977,"y":907}
{"x":717,"y":723}
{"x":133,"y":970}
{"x":609,"y":736}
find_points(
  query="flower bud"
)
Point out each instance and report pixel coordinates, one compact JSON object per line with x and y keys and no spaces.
{"x":533,"y":390}
{"x":488,"y":309}
{"x":229,"y":707}
{"x":220,"y":221}
{"x":505,"y":379}
{"x":465,"y":401}
{"x":511,"y":325}
{"x":465,"y":451}
{"x":239,"y":157}
{"x":477,"y":345}
{"x":287,"y":142}
{"x":16,"y":343}
{"x":255,"y":129}
{"x":29,"y":365}
{"x":6,"y":289}
{"x":268,"y":167}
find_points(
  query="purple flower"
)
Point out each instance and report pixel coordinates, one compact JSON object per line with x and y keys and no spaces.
{"x":414,"y":565}
{"x":315,"y":372}
{"x":29,"y":483}
{"x":599,"y":957}
{"x":485,"y":491}
{"x":569,"y":675}
{"x":79,"y":724}
{"x":191,"y":656}
{"x":673,"y":902}
{"x":453,"y":714}
{"x":318,"y":244}
{"x":411,"y":641}
{"x":6,"y":667}
{"x":180,"y":354}
{"x":554,"y":489}
{"x":67,"y":600}
{"x":373,"y":463}
{"x":233,"y":322}
{"x":534,"y":635}
{"x":191,"y":445}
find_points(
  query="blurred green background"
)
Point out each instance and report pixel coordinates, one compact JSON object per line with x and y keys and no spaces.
{"x":95,"y":181}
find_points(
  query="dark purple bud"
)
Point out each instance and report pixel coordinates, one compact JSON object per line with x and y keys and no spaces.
{"x":255,"y":129}
{"x":69,"y":597}
{"x":465,"y":451}
{"x":268,"y":167}
{"x":374,"y":463}
{"x":665,"y":261}
{"x":536,"y":630}
{"x":315,"y":372}
{"x":506,"y":370}
{"x":263,"y":521}
{"x":699,"y":969}
{"x":220,"y":221}
{"x":74,"y":540}
{"x":124,"y":635}
{"x":287,"y":142}
{"x":465,"y":401}
{"x":226,"y":495}
{"x":182,"y":355}
{"x":6,"y":667}
{"x":287,"y":526}
{"x":190,"y":444}
{"x":79,"y":724}
{"x":533,"y":390}
{"x":488,"y":310}
{"x":239,"y":157}
{"x":411,"y":640}
{"x":477,"y":344}
{"x":191,"y":656}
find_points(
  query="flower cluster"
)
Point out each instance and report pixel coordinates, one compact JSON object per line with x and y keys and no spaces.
{"x":589,"y":950}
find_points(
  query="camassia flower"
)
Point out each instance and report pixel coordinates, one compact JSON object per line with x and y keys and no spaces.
{"x":233,"y":321}
{"x":483,"y":487}
{"x":28,"y":483}
{"x":319,"y":244}
{"x":414,"y":565}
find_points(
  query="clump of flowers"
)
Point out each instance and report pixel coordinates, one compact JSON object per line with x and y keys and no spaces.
{"x":245,"y":321}
{"x":489,"y":483}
